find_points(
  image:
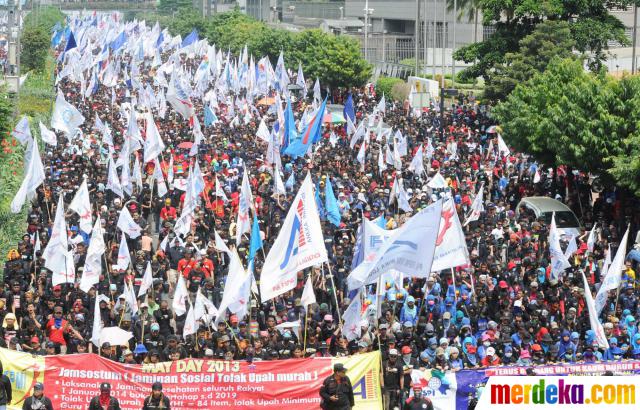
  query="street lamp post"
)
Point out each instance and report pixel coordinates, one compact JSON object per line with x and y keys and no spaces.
{"x":453,"y":46}
{"x":417,"y":36}
{"x":367,"y":13}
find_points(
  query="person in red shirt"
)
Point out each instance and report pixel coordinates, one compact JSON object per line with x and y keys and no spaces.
{"x":491,"y":359}
{"x":168,"y":212}
{"x":186,"y":264}
{"x":57,"y":326}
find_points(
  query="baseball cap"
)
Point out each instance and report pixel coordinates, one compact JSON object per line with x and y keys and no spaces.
{"x":406,"y":350}
{"x":105,"y":386}
{"x":339,"y":367}
{"x":503,"y":284}
{"x":38,"y":386}
{"x":393,"y":352}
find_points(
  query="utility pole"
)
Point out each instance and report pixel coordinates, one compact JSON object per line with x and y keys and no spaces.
{"x":367,"y":13}
{"x":453,"y":46}
{"x":425,"y":24}
{"x":634,"y":40}
{"x":444,"y":38}
{"x":417,"y":36}
{"x":433,"y":41}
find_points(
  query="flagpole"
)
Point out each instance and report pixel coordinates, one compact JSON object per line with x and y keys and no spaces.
{"x":455,"y":294}
{"x":335,"y":293}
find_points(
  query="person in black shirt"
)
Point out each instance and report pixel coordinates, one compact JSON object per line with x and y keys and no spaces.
{"x":5,"y":388}
{"x":157,"y":399}
{"x":393,"y":380}
{"x":336,"y":390}
{"x":418,"y":402}
{"x":38,"y":401}
{"x":104,"y":401}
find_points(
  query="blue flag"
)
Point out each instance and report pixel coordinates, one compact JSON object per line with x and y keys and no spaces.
{"x":71,"y":42}
{"x":321,"y":211}
{"x":256,"y":240}
{"x":309,"y":136}
{"x":289,"y":127}
{"x":190,"y":39}
{"x":57,"y":38}
{"x":209,"y":116}
{"x":333,"y":211}
{"x":119,"y":41}
{"x":348,"y":109}
{"x":381,"y":221}
{"x":290,"y":181}
{"x":160,"y":39}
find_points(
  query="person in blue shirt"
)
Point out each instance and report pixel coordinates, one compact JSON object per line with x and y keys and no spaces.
{"x":409,"y":312}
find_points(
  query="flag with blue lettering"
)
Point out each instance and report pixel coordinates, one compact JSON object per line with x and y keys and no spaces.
{"x":333,"y":212}
{"x":299,"y":245}
{"x":309,"y":136}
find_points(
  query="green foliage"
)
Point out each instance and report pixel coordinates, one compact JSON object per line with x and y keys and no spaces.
{"x":569,"y":116}
{"x":591,"y":26}
{"x":335,"y":60}
{"x":169,"y":6}
{"x":35,"y":46}
{"x":385,"y":84}
{"x":549,"y":39}
{"x":36,"y":36}
{"x":44,"y":17}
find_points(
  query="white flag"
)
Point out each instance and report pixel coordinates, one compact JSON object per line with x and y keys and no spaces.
{"x":613,"y":276}
{"x":22,"y":132}
{"x":417,"y":163}
{"x":153,"y":145}
{"x":47,"y":135}
{"x":362,"y":154}
{"x":559,"y":261}
{"x":67,"y":274}
{"x":137,"y":173}
{"x":382,"y":105}
{"x":130,"y":297}
{"x":572,"y":247}
{"x":147,"y":281}
{"x":237,"y":290}
{"x":220,"y":192}
{"x":308,"y":296}
{"x":81,"y":205}
{"x":477,"y":206}
{"x":65,"y":117}
{"x":157,"y":175}
{"x":124,"y":258}
{"x":502,"y":147}
{"x":113,"y":182}
{"x":317,"y":95}
{"x":278,"y":184}
{"x":55,"y":252}
{"x":180,"y":297}
{"x":352,"y":317}
{"x":97,"y":320}
{"x":591,"y":240}
{"x":33,"y":178}
{"x":451,"y":246}
{"x":190,"y":324}
{"x":127,"y":224}
{"x":243,"y":221}
{"x":204,"y":308}
{"x":437,"y":182}
{"x":263,"y":132}
{"x":179,"y":99}
{"x":382,"y":166}
{"x":351,"y":128}
{"x":299,"y":244}
{"x":220,"y":245}
{"x":596,"y":326}
{"x":93,"y":261}
{"x":409,"y":250}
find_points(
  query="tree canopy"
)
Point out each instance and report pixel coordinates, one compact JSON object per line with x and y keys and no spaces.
{"x":569,"y":116}
{"x":591,"y":27}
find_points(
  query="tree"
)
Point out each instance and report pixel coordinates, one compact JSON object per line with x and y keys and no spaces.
{"x":592,"y":28}
{"x":549,"y":39}
{"x":567,"y":116}
{"x":468,"y":7}
{"x":35,"y":46}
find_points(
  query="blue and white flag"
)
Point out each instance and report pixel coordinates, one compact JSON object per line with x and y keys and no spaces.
{"x":299,"y":245}
{"x":65,"y":117}
{"x":409,"y":250}
{"x":613,"y":276}
{"x":331,"y":204}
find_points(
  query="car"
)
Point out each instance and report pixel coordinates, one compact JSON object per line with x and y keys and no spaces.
{"x":544,"y":207}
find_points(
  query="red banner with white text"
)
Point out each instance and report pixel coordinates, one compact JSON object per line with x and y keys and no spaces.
{"x":72,"y":380}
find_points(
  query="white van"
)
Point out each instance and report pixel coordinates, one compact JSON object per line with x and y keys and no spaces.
{"x":543,"y":207}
